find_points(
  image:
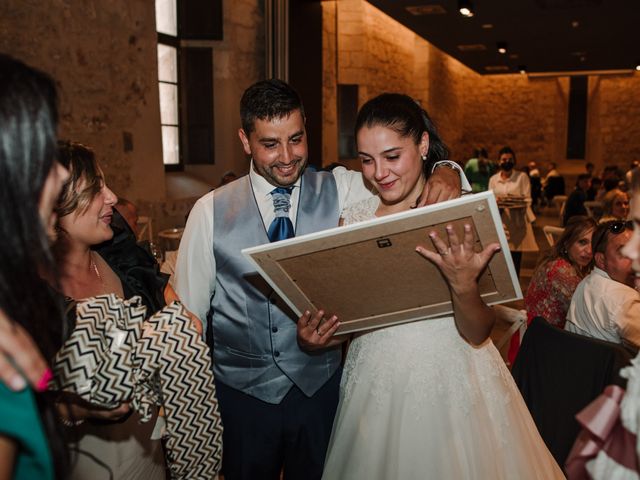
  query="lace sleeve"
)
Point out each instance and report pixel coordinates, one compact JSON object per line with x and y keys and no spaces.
{"x":361,"y":211}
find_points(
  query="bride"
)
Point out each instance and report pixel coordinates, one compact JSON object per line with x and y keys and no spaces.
{"x":429,"y":399}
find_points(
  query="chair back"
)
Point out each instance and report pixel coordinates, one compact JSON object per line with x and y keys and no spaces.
{"x":558,"y":374}
{"x":517,"y":319}
{"x":560,"y":202}
{"x":551,"y":233}
{"x":145,"y":228}
{"x":593,"y":208}
{"x":555,"y":186}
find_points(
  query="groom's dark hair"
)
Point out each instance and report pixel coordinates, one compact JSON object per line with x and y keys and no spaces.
{"x":267,"y":100}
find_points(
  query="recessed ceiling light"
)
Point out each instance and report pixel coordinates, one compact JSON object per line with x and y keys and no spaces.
{"x":466,"y":8}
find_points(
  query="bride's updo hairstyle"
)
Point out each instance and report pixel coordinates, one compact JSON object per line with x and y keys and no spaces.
{"x":403,"y":115}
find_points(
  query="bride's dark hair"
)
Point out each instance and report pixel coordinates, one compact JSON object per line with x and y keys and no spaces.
{"x":402,"y":114}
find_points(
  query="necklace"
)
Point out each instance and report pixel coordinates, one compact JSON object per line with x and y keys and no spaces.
{"x":94,"y":267}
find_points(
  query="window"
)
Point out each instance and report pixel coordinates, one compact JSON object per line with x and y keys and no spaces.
{"x":577,"y":128}
{"x":167,"y":27}
{"x":186,"y":114}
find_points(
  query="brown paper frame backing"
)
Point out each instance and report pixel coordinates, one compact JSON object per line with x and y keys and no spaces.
{"x":372,"y":277}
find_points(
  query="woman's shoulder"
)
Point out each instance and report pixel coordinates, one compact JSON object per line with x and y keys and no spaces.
{"x":560,"y":265}
{"x":361,"y":211}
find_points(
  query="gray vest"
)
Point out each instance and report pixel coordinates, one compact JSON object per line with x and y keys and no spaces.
{"x":254,"y":333}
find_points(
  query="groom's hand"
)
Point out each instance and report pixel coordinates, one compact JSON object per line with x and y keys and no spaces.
{"x":443,"y":184}
{"x":314,"y":333}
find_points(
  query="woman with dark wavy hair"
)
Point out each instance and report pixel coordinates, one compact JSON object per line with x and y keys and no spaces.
{"x":431,"y":398}
{"x":111,"y":443}
{"x":557,"y":275}
{"x":559,"y":272}
{"x":31,"y":182}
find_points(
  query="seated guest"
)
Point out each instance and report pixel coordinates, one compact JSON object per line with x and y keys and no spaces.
{"x":559,"y":273}
{"x":608,"y":184}
{"x":575,"y":202}
{"x":592,"y":191}
{"x":615,"y":206}
{"x":557,"y":276}
{"x":605,"y":305}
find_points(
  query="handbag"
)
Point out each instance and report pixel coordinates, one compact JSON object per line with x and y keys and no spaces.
{"x":115,"y":355}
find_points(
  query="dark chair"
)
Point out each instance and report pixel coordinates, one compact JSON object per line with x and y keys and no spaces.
{"x":536,"y":190}
{"x":554,"y":186}
{"x":559,"y":373}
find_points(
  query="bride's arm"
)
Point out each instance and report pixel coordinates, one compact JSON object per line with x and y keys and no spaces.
{"x":462,"y":266}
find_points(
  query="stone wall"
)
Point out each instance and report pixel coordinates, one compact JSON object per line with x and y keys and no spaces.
{"x":527,"y":114}
{"x":103,"y":57}
{"x":472,"y":110}
{"x":614,"y":113}
{"x":380,"y":55}
{"x":238,"y":62}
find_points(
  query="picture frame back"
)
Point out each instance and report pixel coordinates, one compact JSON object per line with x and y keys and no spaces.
{"x":369,"y":274}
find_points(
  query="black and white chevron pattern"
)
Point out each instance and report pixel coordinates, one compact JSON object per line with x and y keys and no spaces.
{"x":114,"y":355}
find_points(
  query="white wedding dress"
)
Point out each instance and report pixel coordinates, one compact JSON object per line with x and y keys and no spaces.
{"x":418,"y":402}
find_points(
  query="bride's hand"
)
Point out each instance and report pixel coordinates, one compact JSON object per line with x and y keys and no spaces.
{"x":313,"y":333}
{"x":458,"y":261}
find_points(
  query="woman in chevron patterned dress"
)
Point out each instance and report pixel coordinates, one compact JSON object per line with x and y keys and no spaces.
{"x":433,"y":398}
{"x":108,"y":443}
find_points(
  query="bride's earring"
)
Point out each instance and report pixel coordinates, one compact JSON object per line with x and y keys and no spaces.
{"x":424,"y":158}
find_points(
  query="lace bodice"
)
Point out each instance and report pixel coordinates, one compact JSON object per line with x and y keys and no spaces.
{"x":431,"y":355}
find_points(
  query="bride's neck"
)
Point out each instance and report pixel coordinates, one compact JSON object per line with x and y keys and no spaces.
{"x":408,"y":202}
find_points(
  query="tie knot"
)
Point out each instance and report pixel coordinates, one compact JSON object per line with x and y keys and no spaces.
{"x":281,"y":201}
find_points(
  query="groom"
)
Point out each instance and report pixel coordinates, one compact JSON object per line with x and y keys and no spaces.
{"x":277,"y":401}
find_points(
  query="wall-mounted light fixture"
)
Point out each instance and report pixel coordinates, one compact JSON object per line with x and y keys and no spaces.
{"x":466,"y":8}
{"x":522,"y":69}
{"x":502,"y":47}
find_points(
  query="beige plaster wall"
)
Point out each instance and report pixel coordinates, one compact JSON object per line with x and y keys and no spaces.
{"x":103,"y":57}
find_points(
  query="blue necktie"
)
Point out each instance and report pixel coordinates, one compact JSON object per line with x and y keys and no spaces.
{"x":281,"y":228}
